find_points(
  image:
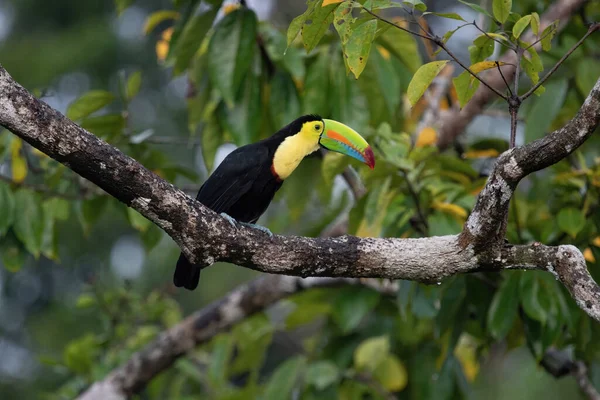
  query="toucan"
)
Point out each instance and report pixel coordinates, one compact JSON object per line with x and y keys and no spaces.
{"x":243,"y":185}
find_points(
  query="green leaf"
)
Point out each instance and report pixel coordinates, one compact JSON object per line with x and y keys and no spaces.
{"x":231,"y":51}
{"x":222,"y":348}
{"x":298,"y":22}
{"x":283,"y":101}
{"x":588,"y":71}
{"x":7,"y":208}
{"x":211,"y":140}
{"x":545,"y":109}
{"x":243,"y":119}
{"x":466,"y":85}
{"x":448,"y":15}
{"x":422,"y":79}
{"x":351,"y":305}
{"x":29,"y":221}
{"x":316,"y":86}
{"x":322,"y":374}
{"x":12,"y":253}
{"x":482,"y":48}
{"x":85,"y":300}
{"x":122,"y":5}
{"x":191,"y":37}
{"x":49,"y":247}
{"x":157,"y":17}
{"x":320,"y":19}
{"x":418,"y":4}
{"x":343,"y":21}
{"x":134,"y":82}
{"x":358,"y":47}
{"x":79,"y":355}
{"x":477,"y":8}
{"x":529,"y":292}
{"x":391,"y":374}
{"x":91,"y":211}
{"x":520,"y":26}
{"x":535,"y":23}
{"x":404,"y":46}
{"x":283,"y":380}
{"x":105,"y":126}
{"x":371,"y":353}
{"x":547,"y":36}
{"x":88,"y":103}
{"x":137,"y":220}
{"x":501,"y":9}
{"x":151,"y":237}
{"x":504,"y":308}
{"x":571,"y":220}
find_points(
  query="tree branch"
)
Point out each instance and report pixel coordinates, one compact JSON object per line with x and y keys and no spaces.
{"x":454,"y":123}
{"x":203,"y":325}
{"x":206,"y":237}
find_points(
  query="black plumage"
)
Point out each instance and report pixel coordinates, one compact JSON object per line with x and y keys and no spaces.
{"x":242,"y":186}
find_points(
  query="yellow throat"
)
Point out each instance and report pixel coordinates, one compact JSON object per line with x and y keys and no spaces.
{"x":291,"y":151}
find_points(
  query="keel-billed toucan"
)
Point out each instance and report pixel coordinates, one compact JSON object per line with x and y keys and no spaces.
{"x":245,"y":182}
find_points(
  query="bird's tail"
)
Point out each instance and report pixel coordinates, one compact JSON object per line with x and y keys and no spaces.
{"x":186,"y":274}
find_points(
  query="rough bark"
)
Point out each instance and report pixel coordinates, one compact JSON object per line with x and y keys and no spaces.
{"x":454,"y":123}
{"x":206,"y":237}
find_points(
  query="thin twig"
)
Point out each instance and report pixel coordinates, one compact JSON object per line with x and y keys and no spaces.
{"x":441,"y":44}
{"x":396,"y":25}
{"x":583,"y":380}
{"x":504,"y":79}
{"x":507,"y":45}
{"x":593,"y":28}
{"x":519,"y":52}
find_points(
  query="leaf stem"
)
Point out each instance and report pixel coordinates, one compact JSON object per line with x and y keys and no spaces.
{"x":593,"y":28}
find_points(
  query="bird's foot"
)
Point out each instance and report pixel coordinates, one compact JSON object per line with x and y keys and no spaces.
{"x":260,"y":228}
{"x":229,"y":219}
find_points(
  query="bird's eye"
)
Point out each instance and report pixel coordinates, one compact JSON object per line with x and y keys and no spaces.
{"x":317,"y":127}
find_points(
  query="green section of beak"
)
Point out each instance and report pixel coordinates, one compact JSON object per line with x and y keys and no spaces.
{"x":343,"y":139}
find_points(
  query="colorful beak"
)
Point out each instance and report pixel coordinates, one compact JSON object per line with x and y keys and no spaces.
{"x":343,"y":139}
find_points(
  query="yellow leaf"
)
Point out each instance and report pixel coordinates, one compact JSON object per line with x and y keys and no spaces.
{"x":391,"y":374}
{"x":18,"y":162}
{"x":483,"y":65}
{"x":230,"y":7}
{"x":157,"y":17}
{"x":596,"y":241}
{"x":482,"y":153}
{"x":384,"y":52}
{"x":589,"y":256}
{"x":162,"y":46}
{"x":466,"y":354}
{"x":452,"y":209}
{"x":427,"y":137}
{"x":328,"y":2}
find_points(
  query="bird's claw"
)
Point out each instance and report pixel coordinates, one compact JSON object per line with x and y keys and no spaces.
{"x":233,"y":222}
{"x":229,"y":219}
{"x":260,"y":228}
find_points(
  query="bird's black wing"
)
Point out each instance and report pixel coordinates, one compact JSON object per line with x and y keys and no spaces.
{"x":233,"y":177}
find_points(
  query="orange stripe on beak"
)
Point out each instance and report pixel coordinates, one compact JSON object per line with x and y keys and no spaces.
{"x":336,"y":136}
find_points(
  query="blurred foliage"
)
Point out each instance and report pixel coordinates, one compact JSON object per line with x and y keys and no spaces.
{"x":245,"y":79}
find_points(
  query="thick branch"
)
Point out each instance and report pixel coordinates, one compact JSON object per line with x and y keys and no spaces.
{"x":206,"y":237}
{"x":454,"y":123}
{"x":485,"y":226}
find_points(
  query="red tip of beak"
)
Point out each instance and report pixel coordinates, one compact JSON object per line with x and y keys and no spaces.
{"x":369,"y":157}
